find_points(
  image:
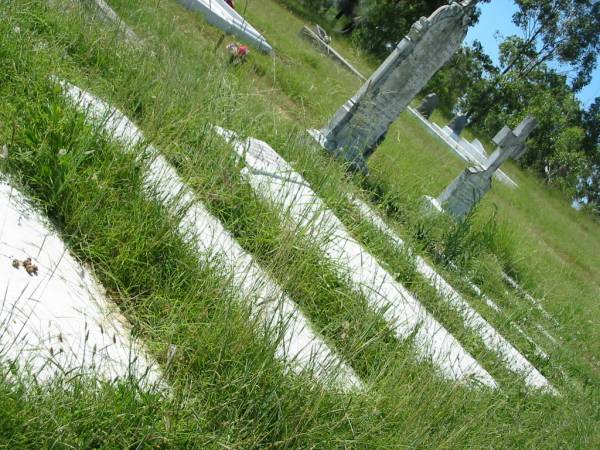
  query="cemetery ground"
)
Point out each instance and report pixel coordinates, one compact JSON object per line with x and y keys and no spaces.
{"x":226,"y":387}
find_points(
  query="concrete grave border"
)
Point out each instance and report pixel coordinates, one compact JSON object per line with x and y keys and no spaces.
{"x":298,"y":345}
{"x":58,"y":320}
{"x":275,"y":181}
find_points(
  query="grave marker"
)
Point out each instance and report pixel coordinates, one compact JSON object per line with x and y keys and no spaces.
{"x":297,"y":344}
{"x":219,"y":14}
{"x":470,"y":186}
{"x":360,"y":125}
{"x":273,"y":179}
{"x":428,"y":105}
{"x":457,"y":125}
{"x":55,"y":317}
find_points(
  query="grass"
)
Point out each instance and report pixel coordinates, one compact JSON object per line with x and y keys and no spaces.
{"x":228,"y":390}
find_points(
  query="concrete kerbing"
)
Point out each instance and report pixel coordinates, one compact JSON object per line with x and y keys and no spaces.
{"x":491,"y":338}
{"x":59,"y":321}
{"x":306,"y":32}
{"x":298,"y":345}
{"x":274,"y":180}
{"x":221,"y":15}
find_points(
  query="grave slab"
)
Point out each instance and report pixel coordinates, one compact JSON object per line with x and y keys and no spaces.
{"x":326,"y":48}
{"x":274,"y":180}
{"x":221,"y":15}
{"x":298,"y":344}
{"x":57,"y":320}
{"x":491,"y":338}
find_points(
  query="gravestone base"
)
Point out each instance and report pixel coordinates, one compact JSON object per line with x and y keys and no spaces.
{"x":354,"y":159}
{"x":465,"y":192}
{"x":430,"y":206}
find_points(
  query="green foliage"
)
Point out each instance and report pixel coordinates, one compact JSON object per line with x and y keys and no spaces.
{"x":227,"y":388}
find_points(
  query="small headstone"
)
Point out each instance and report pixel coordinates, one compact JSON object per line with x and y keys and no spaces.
{"x":428,"y":105}
{"x":459,"y":198}
{"x":457,"y":124}
{"x":357,"y":128}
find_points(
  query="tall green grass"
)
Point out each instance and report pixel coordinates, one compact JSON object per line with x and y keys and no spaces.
{"x":227,"y":388}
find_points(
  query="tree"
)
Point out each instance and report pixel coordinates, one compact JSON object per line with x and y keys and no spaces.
{"x":557,"y":32}
{"x":383,"y":23}
{"x":566,"y":32}
{"x":465,"y":72}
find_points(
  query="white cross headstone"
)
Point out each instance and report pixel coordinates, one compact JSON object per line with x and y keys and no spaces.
{"x":470,"y":186}
{"x":360,"y":125}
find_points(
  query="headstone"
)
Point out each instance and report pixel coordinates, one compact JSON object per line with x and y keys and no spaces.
{"x":359,"y":125}
{"x":428,"y":105}
{"x":470,"y":186}
{"x":457,"y":125}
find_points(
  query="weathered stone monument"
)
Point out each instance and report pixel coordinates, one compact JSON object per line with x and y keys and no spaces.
{"x":457,"y":125}
{"x":359,"y":126}
{"x":428,"y":105}
{"x":470,"y":186}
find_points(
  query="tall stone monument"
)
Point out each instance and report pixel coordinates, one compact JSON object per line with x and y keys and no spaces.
{"x":359,"y":126}
{"x":470,"y":186}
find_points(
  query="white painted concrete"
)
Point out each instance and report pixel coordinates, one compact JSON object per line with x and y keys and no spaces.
{"x":59,"y":322}
{"x":488,"y":301}
{"x":491,"y":338}
{"x":221,"y":15}
{"x":535,"y":302}
{"x":330,"y":51}
{"x":298,"y":344}
{"x":274,"y":179}
{"x":105,"y":13}
{"x":471,"y":152}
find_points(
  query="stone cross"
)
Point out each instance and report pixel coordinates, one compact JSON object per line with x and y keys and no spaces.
{"x":357,"y":128}
{"x":428,"y":105}
{"x":459,"y":198}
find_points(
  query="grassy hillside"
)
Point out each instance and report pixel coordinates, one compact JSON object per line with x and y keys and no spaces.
{"x":228,"y":389}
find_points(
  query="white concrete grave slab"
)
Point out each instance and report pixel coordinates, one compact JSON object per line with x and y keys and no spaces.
{"x":221,"y":15}
{"x":56,"y":320}
{"x":326,"y":48}
{"x":105,"y":13}
{"x":493,"y":305}
{"x":470,"y":152}
{"x":490,"y":337}
{"x":535,"y":302}
{"x":274,"y":180}
{"x":298,"y":344}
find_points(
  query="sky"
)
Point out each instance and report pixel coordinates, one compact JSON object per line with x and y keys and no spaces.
{"x":496,"y":17}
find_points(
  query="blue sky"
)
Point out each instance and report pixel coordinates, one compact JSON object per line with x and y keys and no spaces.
{"x":496,"y":17}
